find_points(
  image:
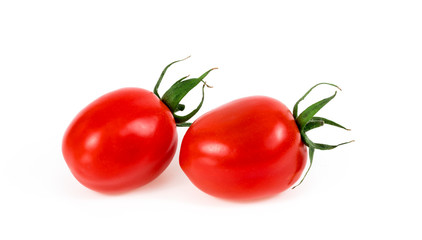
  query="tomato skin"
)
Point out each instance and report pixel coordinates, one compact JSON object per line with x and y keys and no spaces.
{"x":121,"y":141}
{"x":247,"y":149}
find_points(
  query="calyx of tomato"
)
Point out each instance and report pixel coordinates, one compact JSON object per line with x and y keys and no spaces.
{"x":307,"y":121}
{"x":178,"y":91}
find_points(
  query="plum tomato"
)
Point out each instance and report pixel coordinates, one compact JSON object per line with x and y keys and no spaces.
{"x":251,"y":148}
{"x":126,"y":138}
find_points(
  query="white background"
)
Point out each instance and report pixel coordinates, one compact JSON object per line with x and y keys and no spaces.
{"x":57,"y":56}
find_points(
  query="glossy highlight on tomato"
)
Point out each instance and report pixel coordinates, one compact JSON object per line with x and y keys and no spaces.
{"x":250,"y":148}
{"x":126,"y":138}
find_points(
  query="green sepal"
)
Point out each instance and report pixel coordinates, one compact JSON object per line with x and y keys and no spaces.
{"x":172,"y":97}
{"x":307,"y":121}
{"x":182,"y":119}
{"x":185,"y":124}
{"x":296,"y":106}
{"x":329,"y":122}
{"x":320,"y":146}
{"x":309,"y":113}
{"x":179,"y":89}
{"x":162,"y":76}
{"x":312,"y":124}
{"x":316,"y":122}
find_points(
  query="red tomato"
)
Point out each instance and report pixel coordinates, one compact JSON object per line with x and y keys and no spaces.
{"x":250,"y":148}
{"x":126,"y":138}
{"x":121,"y":141}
